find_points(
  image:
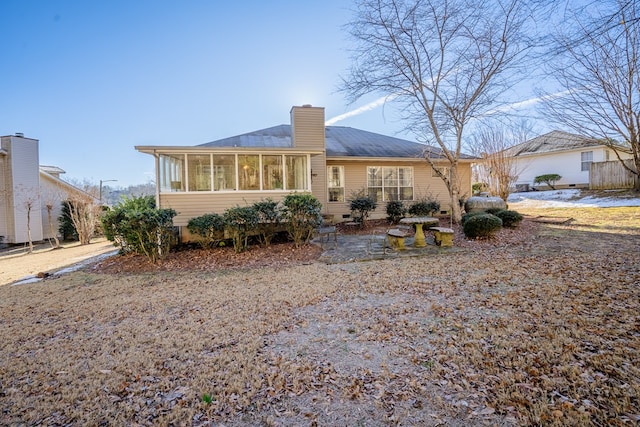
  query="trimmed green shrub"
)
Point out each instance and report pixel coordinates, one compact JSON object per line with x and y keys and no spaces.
{"x":240,"y":220}
{"x":269,"y":219}
{"x":302,"y":213}
{"x":137,"y":226}
{"x":208,"y":228}
{"x":509,"y":218}
{"x":482,"y":226}
{"x":424,"y":207}
{"x":361,"y":207}
{"x":396,"y":210}
{"x":494,"y":211}
{"x":470,"y":215}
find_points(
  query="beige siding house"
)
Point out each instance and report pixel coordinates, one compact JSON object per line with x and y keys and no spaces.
{"x":26,"y":187}
{"x":331,"y":162}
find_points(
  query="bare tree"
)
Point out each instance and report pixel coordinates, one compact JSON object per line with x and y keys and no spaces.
{"x":84,"y":211}
{"x":444,"y":62}
{"x":51,"y":198}
{"x":499,"y":169}
{"x":28,"y":199}
{"x":597,"y":65}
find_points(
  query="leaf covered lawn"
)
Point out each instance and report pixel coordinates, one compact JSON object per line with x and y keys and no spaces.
{"x":539,"y":330}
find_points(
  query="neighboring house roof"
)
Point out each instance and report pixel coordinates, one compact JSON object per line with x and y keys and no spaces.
{"x":340,"y":142}
{"x":552,"y":142}
{"x":52,"y":170}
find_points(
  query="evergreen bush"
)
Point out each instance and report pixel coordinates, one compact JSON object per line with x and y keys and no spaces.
{"x":396,"y":210}
{"x":208,"y":228}
{"x":482,"y":226}
{"x":302,"y":213}
{"x":510,"y":218}
{"x":470,"y":215}
{"x":241,"y":220}
{"x":361,"y":207}
{"x":269,"y":219}
{"x":425,"y":207}
{"x":494,"y":211}
{"x":137,"y":226}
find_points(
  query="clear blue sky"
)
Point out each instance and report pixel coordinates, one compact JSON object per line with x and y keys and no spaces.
{"x":92,"y":79}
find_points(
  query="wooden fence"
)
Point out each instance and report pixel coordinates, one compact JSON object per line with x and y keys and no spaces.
{"x":611,"y":175}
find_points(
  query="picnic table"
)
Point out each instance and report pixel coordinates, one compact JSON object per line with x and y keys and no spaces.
{"x":419,"y":222}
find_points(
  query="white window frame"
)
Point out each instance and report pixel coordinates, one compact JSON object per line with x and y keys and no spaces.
{"x":177,"y":166}
{"x":586,"y":158}
{"x":398,"y":187}
{"x":331,"y":185}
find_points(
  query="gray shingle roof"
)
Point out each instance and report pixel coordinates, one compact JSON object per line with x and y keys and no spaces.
{"x":553,"y":141}
{"x":340,"y":142}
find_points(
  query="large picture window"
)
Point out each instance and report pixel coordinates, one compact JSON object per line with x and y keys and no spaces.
{"x":335,"y":183}
{"x":390,"y":183}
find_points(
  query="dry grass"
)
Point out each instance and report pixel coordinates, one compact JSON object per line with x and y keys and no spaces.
{"x":542,"y":332}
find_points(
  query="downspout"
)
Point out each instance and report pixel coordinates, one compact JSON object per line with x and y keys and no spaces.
{"x":156,"y":156}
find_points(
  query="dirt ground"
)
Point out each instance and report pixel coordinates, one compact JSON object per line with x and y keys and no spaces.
{"x":539,"y":326}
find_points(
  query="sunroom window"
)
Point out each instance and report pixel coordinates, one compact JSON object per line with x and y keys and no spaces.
{"x":199,"y":167}
{"x":232,"y":172}
{"x":171,"y":172}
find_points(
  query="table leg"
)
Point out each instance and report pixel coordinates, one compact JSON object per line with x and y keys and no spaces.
{"x":420,"y":241}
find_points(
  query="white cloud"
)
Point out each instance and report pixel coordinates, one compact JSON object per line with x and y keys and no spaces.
{"x":367,"y":107}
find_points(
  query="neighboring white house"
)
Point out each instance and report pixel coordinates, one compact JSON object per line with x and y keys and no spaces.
{"x":27,"y":187}
{"x":562,"y":153}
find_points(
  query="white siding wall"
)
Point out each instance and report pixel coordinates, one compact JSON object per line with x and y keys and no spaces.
{"x":566,"y":164}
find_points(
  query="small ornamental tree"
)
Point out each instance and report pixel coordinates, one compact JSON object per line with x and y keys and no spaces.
{"x":302,"y":213}
{"x":550,"y":179}
{"x":137,"y":226}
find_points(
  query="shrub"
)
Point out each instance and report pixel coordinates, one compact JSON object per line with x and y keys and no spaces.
{"x":396,"y":210}
{"x":240,"y":220}
{"x":361,"y":207}
{"x":269,"y":219}
{"x":208,"y":228}
{"x":66,"y":229}
{"x":509,"y":218}
{"x":302,"y":213}
{"x":550,"y":179}
{"x":137,"y":226}
{"x":424,"y":207}
{"x":493,"y":211}
{"x":482,"y":226}
{"x":470,"y":215}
